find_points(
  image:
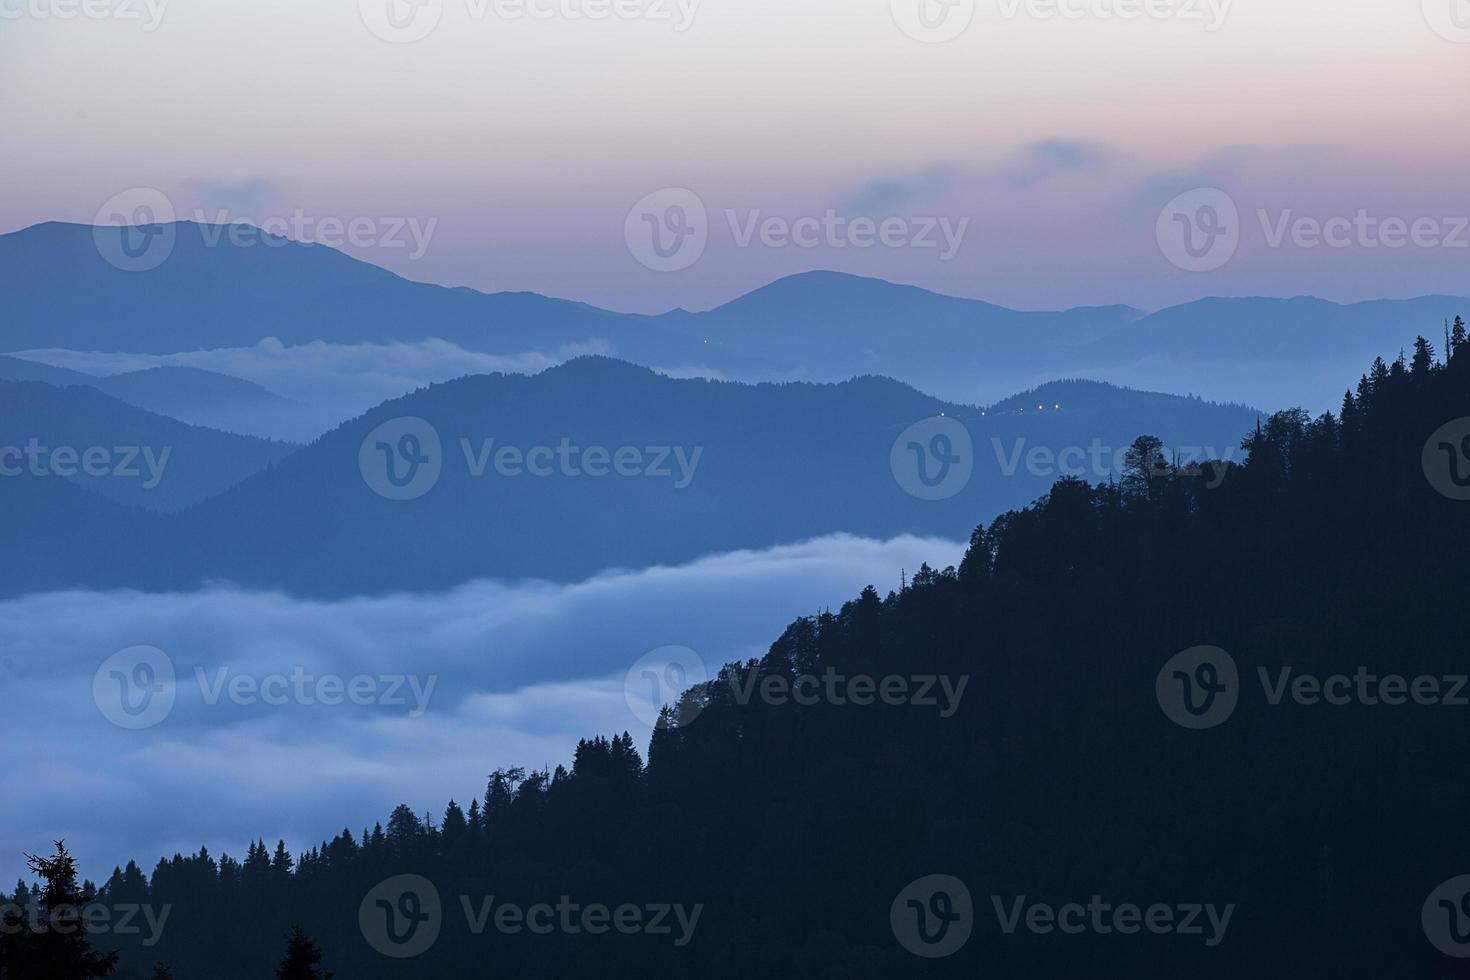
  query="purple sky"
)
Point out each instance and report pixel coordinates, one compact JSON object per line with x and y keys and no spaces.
{"x":526,"y":140}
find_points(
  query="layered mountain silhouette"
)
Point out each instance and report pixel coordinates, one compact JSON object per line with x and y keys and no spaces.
{"x":193,"y":395}
{"x":79,"y":436}
{"x":212,"y":292}
{"x":593,"y":465}
{"x":1291,"y":806}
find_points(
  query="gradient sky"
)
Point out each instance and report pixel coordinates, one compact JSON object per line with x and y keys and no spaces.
{"x":528,"y":140}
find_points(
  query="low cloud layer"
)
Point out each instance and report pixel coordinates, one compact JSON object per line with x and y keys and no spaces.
{"x":488,"y":674}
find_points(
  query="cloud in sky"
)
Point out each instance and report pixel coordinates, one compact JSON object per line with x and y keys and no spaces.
{"x":840,"y":100}
{"x":1043,"y":160}
{"x":1035,"y":163}
{"x":244,"y":196}
{"x":520,"y":672}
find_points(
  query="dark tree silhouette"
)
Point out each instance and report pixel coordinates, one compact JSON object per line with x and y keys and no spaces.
{"x":49,"y":940}
{"x":303,"y":959}
{"x":1332,"y":550}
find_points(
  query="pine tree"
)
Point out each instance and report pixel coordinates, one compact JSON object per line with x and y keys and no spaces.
{"x":303,"y":959}
{"x":1423,"y":357}
{"x":473,"y":821}
{"x":455,"y":825}
{"x":53,"y":944}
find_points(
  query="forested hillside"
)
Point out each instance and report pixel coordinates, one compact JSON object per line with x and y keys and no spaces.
{"x":1056,"y":773}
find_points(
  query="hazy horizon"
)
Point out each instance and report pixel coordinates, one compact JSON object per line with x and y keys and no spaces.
{"x":1060,"y":183}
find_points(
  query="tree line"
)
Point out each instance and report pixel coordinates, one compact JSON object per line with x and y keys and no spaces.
{"x":1328,"y":551}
